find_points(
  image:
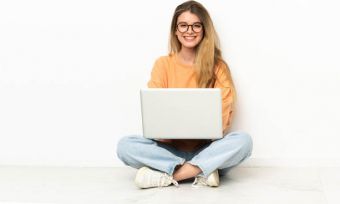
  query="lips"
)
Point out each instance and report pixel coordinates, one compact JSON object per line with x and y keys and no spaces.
{"x":189,"y":38}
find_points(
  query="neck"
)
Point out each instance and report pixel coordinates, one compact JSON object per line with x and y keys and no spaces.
{"x":187,"y":56}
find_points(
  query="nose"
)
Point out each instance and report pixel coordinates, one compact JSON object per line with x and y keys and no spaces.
{"x":190,"y":29}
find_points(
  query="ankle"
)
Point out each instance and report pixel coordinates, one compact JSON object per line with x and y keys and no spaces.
{"x":186,"y":171}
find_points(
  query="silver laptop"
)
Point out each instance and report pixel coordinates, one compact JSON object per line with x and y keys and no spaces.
{"x":181,"y":113}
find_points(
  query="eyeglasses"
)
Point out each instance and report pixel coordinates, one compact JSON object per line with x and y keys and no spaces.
{"x":184,"y":27}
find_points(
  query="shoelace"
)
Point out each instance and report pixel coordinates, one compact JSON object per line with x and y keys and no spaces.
{"x":164,"y":178}
{"x":199,"y":181}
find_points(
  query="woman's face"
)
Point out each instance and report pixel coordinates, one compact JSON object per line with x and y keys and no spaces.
{"x":189,"y":30}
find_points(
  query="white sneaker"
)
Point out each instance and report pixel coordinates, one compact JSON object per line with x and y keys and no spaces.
{"x":147,"y":178}
{"x":212,"y":180}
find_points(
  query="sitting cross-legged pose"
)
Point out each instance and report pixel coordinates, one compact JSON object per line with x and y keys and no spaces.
{"x":194,"y":61}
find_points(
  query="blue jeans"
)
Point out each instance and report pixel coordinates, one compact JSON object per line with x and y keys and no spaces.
{"x":222,"y":154}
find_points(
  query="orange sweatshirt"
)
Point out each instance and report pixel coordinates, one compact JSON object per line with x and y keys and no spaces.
{"x":168,"y":72}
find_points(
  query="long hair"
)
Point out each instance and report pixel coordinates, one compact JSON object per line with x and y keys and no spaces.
{"x":208,"y":52}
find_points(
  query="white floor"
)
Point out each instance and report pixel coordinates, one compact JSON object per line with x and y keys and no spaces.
{"x":275,"y":185}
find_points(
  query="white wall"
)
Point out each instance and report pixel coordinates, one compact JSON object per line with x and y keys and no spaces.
{"x":70,"y":72}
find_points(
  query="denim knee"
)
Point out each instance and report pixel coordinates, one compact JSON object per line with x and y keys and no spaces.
{"x":245,"y":142}
{"x":124,"y":146}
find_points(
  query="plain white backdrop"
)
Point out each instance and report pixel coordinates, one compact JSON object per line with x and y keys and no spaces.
{"x":71,"y":70}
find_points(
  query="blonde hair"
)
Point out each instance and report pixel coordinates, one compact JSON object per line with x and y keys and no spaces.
{"x":208,"y":52}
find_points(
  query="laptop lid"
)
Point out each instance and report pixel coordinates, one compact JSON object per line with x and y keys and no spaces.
{"x":181,"y":113}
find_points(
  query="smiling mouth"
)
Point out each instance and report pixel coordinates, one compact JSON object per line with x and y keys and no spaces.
{"x":189,"y":38}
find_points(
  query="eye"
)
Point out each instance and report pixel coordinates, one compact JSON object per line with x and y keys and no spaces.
{"x":182,"y":25}
{"x":197,"y":25}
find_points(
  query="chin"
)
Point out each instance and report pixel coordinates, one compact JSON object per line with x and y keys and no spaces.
{"x":191,"y":45}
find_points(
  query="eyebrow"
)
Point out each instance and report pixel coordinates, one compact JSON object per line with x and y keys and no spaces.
{"x":188,"y":23}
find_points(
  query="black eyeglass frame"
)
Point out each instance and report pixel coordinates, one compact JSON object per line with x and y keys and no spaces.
{"x":192,"y":27}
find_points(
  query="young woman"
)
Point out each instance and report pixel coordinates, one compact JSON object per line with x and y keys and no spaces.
{"x":195,"y":61}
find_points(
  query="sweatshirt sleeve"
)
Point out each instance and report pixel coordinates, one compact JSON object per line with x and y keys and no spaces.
{"x":158,"y":75}
{"x":224,"y":82}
